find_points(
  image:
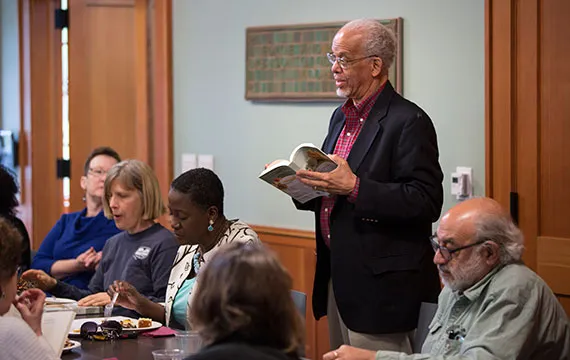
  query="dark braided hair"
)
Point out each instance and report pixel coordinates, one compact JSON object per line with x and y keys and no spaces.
{"x":8,"y":191}
{"x":203,"y":186}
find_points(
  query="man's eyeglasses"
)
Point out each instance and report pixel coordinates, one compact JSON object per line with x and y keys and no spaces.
{"x":447,"y":253}
{"x":110,"y":330}
{"x":97,"y":172}
{"x":343,"y":62}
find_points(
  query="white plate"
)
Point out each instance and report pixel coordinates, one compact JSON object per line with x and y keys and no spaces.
{"x":76,"y":324}
{"x":74,"y":345}
{"x":58,"y":301}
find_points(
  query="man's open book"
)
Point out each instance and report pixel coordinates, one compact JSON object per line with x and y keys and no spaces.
{"x":281,"y":174}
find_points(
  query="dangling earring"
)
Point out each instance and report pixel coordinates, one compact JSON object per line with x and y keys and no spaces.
{"x":84,"y":198}
{"x":210,"y":227}
{"x":2,"y":295}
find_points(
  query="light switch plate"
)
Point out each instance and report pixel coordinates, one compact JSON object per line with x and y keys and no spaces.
{"x":206,"y":161}
{"x":189,"y":162}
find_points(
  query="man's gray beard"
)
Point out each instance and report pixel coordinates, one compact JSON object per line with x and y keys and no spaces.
{"x":467,"y":275}
{"x":340,"y":93}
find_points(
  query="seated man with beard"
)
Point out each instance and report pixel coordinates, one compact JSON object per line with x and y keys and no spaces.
{"x":492,"y":305}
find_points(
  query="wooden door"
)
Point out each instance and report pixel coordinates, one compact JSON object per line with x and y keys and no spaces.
{"x":103,"y":62}
{"x":116,"y":52}
{"x":528,"y":87}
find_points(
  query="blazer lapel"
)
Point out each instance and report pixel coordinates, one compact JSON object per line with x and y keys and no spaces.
{"x":372,"y":128}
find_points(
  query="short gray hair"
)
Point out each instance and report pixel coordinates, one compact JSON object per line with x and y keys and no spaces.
{"x":502,"y":231}
{"x":379,"y":40}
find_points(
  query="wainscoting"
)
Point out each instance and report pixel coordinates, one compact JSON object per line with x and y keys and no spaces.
{"x":297,"y":251}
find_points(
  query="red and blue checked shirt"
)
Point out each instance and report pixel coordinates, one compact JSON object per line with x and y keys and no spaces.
{"x":355,"y":117}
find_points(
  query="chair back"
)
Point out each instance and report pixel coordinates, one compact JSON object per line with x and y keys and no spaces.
{"x":300,"y":300}
{"x":427,"y":312}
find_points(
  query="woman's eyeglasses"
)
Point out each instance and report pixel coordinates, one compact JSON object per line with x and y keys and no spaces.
{"x":110,"y":330}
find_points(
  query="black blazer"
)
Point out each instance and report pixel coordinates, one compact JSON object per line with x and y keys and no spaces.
{"x":380,"y":258}
{"x":240,"y":351}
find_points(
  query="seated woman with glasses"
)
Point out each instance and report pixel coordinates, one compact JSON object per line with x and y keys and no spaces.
{"x":196,"y":204}
{"x":244,"y":309}
{"x":143,"y":253}
{"x":20,"y":337}
{"x":71,"y":251}
{"x":8,"y":204}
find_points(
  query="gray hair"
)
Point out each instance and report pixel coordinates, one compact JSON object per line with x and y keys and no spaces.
{"x":378,"y":40}
{"x":502,"y":231}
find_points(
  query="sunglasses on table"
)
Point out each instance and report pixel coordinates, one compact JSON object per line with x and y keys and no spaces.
{"x":108,"y":330}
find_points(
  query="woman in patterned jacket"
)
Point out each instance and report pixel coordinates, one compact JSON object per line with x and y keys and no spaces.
{"x":196,"y":205}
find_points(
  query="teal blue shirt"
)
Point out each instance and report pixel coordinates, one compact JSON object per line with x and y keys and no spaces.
{"x":180,"y":304}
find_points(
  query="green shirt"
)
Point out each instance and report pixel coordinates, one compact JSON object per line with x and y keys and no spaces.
{"x":509,"y":314}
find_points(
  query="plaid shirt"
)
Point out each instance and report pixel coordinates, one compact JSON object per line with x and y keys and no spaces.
{"x":355,"y":117}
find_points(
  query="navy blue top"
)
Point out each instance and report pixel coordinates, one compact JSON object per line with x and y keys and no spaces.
{"x":72,"y":235}
{"x":143,"y":259}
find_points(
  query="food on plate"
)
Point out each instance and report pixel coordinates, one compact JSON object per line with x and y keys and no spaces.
{"x":76,"y":331}
{"x":144,"y":322}
{"x":24,"y":285}
{"x":68,"y":343}
{"x":128,"y":324}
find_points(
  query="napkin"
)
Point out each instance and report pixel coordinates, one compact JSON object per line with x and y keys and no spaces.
{"x":160,"y":332}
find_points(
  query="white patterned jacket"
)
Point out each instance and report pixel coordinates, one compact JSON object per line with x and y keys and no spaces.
{"x":238,"y":231}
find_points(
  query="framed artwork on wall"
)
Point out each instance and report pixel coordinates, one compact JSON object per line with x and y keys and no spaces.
{"x":289,"y":63}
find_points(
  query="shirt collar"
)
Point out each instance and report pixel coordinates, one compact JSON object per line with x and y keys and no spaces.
{"x":350,"y":106}
{"x":475,"y":291}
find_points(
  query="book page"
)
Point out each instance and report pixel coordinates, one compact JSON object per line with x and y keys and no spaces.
{"x":309,"y":157}
{"x":55,"y":327}
{"x":285,"y":179}
{"x":274,"y":165}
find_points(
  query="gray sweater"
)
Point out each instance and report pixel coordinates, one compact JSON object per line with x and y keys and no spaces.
{"x":143,"y":259}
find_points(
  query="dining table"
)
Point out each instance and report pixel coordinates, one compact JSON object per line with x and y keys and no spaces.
{"x":139,"y":348}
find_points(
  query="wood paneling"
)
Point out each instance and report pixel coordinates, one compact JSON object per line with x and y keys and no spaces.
{"x":554,"y":129}
{"x":40,"y":123}
{"x":554,"y":263}
{"x":296,"y":251}
{"x":565,"y":301}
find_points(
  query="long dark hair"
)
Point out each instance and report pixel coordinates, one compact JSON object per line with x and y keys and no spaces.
{"x":8,"y":191}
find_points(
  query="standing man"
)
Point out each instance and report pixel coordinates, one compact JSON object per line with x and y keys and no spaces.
{"x":373,"y":259}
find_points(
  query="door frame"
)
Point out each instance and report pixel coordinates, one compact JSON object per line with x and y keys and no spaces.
{"x":512,"y":111}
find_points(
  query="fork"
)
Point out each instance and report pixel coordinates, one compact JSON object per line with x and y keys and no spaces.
{"x":109,"y":307}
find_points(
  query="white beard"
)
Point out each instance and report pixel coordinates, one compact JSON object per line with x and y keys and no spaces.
{"x":341,"y":93}
{"x":466,"y":275}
